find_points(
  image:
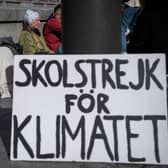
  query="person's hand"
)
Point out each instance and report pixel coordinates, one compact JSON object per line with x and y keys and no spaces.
{"x":51,"y":52}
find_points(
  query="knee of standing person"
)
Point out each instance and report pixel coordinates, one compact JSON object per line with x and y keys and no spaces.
{"x":6,"y":72}
{"x":131,"y":12}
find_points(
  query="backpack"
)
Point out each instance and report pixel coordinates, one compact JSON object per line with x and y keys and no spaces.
{"x":14,"y":47}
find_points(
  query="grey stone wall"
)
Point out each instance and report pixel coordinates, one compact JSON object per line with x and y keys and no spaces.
{"x":10,"y":29}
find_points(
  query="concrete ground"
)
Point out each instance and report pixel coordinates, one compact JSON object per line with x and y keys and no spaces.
{"x":5,"y":117}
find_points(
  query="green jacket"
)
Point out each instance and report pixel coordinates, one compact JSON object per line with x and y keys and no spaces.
{"x":32,"y":43}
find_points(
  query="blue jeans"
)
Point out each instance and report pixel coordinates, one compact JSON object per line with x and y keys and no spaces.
{"x":59,"y":50}
{"x":128,"y":21}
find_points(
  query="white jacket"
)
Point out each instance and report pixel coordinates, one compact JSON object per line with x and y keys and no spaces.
{"x":6,"y":62}
{"x":133,"y":3}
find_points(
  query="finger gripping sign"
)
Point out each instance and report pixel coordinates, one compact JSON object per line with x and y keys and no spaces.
{"x":90,"y":108}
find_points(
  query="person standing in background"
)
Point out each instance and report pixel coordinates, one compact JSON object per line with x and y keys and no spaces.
{"x":131,"y":11}
{"x":52,"y":31}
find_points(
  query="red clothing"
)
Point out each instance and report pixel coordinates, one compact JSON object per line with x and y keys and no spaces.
{"x":52,"y":34}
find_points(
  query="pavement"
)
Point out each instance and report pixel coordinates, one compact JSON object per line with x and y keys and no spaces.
{"x":5,"y":162}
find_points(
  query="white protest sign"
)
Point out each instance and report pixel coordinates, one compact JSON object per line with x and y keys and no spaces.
{"x":93,"y":108}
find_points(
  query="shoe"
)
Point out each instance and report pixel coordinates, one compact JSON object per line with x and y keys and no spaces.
{"x":124,"y":53}
{"x":127,"y":32}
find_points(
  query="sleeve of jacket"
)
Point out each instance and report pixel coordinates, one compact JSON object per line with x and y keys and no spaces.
{"x":54,"y":25}
{"x":27,"y":42}
{"x":44,"y":43}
